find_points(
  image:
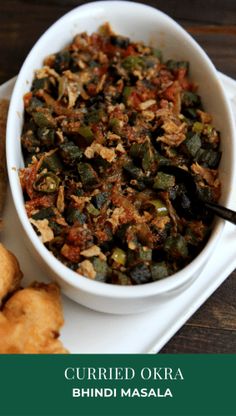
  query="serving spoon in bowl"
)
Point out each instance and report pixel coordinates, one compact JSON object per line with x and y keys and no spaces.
{"x":184,"y":177}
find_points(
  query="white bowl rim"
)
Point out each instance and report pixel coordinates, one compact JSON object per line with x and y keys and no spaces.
{"x":72,"y":278}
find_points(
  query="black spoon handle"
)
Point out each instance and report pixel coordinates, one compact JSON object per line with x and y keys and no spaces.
{"x":225,"y":213}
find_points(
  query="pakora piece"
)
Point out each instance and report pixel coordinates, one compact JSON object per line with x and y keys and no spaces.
{"x":30,"y":321}
{"x":3,"y":171}
{"x":10,"y":273}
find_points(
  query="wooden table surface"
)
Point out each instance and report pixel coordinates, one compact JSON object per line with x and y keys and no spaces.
{"x":213,"y":24}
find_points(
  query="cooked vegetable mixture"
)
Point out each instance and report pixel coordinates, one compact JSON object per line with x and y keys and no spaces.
{"x":103,"y":118}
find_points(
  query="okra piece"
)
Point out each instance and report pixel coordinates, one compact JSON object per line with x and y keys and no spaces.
{"x":100,"y":199}
{"x":133,"y":170}
{"x":140,"y":274}
{"x":191,"y":99}
{"x":70,"y":153}
{"x":163,"y":181}
{"x":74,"y":215}
{"x":52,"y":163}
{"x":176,"y":246}
{"x":159,"y":270}
{"x":40,"y":84}
{"x":46,"y":136}
{"x":141,"y":254}
{"x":87,"y":174}
{"x":43,"y":118}
{"x":192,"y":145}
{"x":101,"y":268}
{"x":208,"y":158}
{"x":44,"y":213}
{"x":121,"y":278}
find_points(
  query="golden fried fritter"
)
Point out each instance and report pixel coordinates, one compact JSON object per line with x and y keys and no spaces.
{"x":10,"y":273}
{"x":3,"y":171}
{"x":30,"y":321}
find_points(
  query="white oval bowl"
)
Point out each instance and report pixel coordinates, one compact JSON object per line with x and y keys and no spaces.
{"x":147,"y":24}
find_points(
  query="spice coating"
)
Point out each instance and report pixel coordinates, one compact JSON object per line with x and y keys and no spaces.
{"x":102,"y":119}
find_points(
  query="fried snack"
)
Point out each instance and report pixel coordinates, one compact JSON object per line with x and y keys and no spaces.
{"x":10,"y":273}
{"x":3,"y":171}
{"x":30,"y":321}
{"x":31,"y":318}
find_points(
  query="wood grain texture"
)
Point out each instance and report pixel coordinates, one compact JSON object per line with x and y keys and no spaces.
{"x":213,"y":24}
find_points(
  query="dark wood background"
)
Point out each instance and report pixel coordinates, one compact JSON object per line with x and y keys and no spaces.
{"x":213,"y":24}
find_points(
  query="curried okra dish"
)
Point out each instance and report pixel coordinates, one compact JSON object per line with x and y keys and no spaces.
{"x":103,"y":119}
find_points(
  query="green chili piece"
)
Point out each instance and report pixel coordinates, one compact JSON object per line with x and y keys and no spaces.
{"x":92,"y":210}
{"x":160,"y":207}
{"x":47,"y":182}
{"x":119,"y":256}
{"x":163,"y":181}
{"x":197,"y":127}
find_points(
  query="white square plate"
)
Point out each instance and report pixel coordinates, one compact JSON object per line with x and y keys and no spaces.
{"x":87,"y":331}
